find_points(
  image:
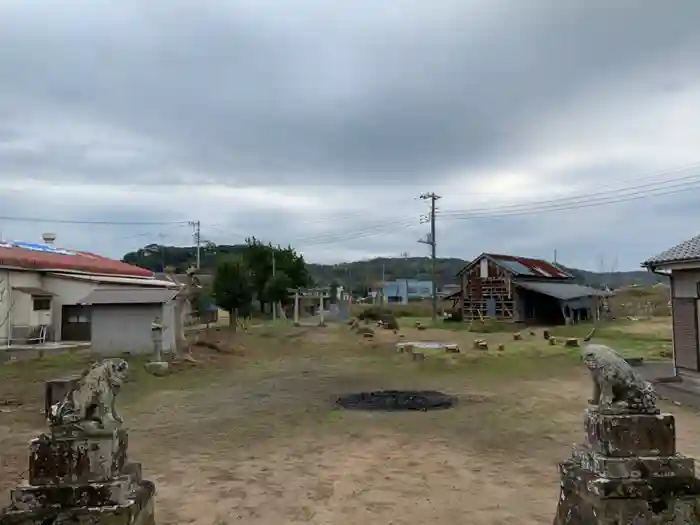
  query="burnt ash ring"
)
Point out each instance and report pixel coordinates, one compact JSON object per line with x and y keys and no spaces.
{"x":392,"y":400}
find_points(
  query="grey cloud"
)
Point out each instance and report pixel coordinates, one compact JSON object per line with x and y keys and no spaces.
{"x":249,"y":94}
{"x":374,"y":103}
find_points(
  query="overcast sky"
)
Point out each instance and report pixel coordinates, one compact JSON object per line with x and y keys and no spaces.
{"x":320,"y":123}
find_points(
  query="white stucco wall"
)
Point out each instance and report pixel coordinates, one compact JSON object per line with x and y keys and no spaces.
{"x":5,"y":299}
{"x":68,"y":292}
{"x":685,"y":283}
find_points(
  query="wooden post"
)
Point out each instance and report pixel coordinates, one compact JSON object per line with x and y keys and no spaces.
{"x":296,"y":307}
{"x":320,"y":302}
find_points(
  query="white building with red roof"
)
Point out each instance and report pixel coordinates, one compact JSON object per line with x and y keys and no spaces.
{"x":50,"y":295}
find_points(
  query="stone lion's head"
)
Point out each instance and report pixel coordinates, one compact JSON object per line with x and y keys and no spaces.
{"x":118,"y":370}
{"x":589,"y":359}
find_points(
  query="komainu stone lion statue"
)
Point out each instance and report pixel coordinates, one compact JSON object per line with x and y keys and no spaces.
{"x":616,"y":385}
{"x":90,"y":406}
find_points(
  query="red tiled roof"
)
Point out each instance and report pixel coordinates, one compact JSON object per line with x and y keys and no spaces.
{"x":82,"y":261}
{"x":534,"y":267}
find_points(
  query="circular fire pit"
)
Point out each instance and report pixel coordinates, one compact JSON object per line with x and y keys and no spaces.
{"x":396,"y":400}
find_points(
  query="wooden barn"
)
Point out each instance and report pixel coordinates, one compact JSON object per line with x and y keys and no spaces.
{"x":524,"y":290}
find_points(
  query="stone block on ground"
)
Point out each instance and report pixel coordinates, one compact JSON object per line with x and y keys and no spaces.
{"x":452,"y":349}
{"x":552,"y":341}
{"x":138,"y":509}
{"x":418,"y":356}
{"x":517,"y":336}
{"x":546,"y":334}
{"x":501,"y":347}
{"x":158,"y":368}
{"x":572,"y":342}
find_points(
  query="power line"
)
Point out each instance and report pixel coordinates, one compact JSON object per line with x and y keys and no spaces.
{"x":551,"y":205}
{"x":691,"y":180}
{"x":505,"y":212}
{"x":93,"y":223}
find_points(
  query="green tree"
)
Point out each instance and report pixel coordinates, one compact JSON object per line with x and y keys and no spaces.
{"x":259,"y":257}
{"x":232,"y":288}
{"x":277,"y":288}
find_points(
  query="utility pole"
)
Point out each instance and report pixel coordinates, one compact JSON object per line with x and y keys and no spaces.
{"x":430,"y":240}
{"x":197,"y":240}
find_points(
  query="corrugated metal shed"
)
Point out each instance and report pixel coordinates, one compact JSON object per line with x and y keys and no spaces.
{"x":562,"y":291}
{"x":129,"y":295}
{"x":31,"y":256}
{"x":524,"y":266}
{"x":686,"y":251}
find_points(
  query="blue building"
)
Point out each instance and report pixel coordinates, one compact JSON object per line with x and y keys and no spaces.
{"x":401,"y":291}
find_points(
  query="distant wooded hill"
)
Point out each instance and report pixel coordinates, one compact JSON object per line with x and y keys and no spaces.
{"x":363,"y":274}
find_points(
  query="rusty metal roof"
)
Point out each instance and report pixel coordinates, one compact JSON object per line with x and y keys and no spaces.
{"x":42,"y":257}
{"x":523,"y":266}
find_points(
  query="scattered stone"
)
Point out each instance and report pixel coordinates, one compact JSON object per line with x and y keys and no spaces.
{"x":158,"y":368}
{"x":452,"y":349}
{"x":501,"y":347}
{"x":517,"y":336}
{"x":546,"y":334}
{"x":572,"y":341}
{"x":552,"y":341}
{"x":364,"y":331}
{"x":389,"y":322}
{"x":368,"y":335}
{"x":480,"y":344}
{"x":418,"y":356}
{"x":532,"y":332}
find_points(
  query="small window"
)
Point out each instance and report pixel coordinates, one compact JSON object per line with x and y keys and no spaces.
{"x":41,"y":304}
{"x":80,"y":318}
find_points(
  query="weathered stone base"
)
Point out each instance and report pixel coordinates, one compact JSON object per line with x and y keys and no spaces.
{"x":72,"y":458}
{"x":588,"y":499}
{"x":635,"y":467}
{"x":625,"y":435}
{"x":138,"y":510}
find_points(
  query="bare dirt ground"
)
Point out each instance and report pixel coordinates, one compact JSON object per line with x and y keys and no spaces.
{"x":253,"y":438}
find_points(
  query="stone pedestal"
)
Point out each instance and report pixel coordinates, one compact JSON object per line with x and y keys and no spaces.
{"x":80,"y":479}
{"x":627,"y":472}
